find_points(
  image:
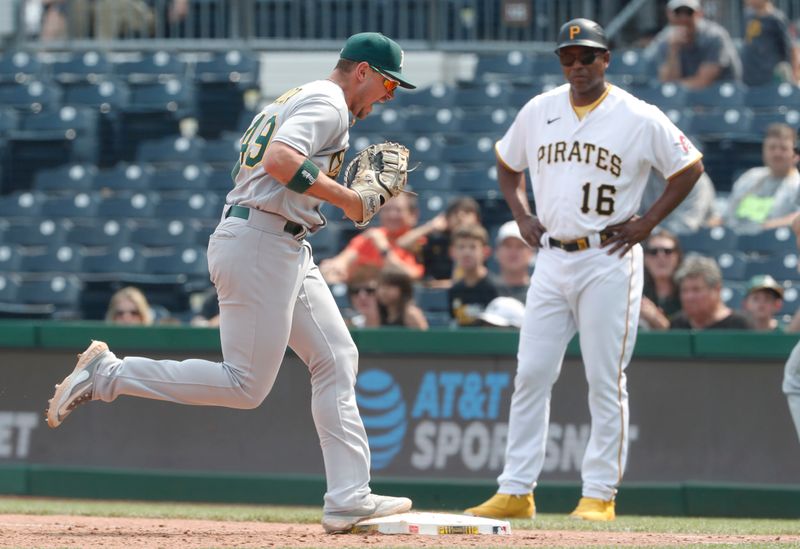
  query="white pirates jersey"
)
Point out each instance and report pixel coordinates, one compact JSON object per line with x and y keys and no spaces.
{"x":314,"y":120}
{"x":590,"y":173}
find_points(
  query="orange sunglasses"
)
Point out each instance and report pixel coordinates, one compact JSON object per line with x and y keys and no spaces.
{"x":388,"y":83}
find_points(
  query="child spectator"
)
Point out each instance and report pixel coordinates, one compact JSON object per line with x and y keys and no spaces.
{"x":763,"y":301}
{"x":469,"y":296}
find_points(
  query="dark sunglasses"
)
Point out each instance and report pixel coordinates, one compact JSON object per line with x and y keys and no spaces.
{"x":356,"y":291}
{"x":123,"y":312}
{"x":683,"y":10}
{"x":584,"y":59}
{"x":656,"y":251}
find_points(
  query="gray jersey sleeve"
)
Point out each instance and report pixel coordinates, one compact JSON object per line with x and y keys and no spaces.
{"x":312,"y":126}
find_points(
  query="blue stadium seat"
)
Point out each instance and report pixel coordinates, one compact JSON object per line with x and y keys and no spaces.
{"x":781,"y":267}
{"x":127,"y":205}
{"x":240,"y":66}
{"x":492,"y":94}
{"x":69,"y":178}
{"x":386,"y":120}
{"x":223,"y":151}
{"x":60,"y":258}
{"x":510,"y":65}
{"x":435,"y":96}
{"x":761,"y":120}
{"x":9,"y":285}
{"x":107,"y":95}
{"x":730,"y":123}
{"x":709,"y":241}
{"x":189,"y":206}
{"x":733,"y":265}
{"x":432,"y":177}
{"x":487,"y":121}
{"x":56,"y":296}
{"x":10,"y":259}
{"x":479,"y":183}
{"x":546,"y":64}
{"x":629,"y":66}
{"x":9,"y":120}
{"x":21,"y":204}
{"x":87,"y":66}
{"x":664,"y":96}
{"x":720,"y":95}
{"x":432,"y":203}
{"x":773,"y":97}
{"x":188,"y":261}
{"x":469,"y":150}
{"x":92,"y":233}
{"x":521,"y":93}
{"x":33,"y":95}
{"x":327,"y":242}
{"x":191,"y":177}
{"x":171,"y":150}
{"x":163,"y":234}
{"x":791,"y":298}
{"x":442,"y":120}
{"x":220,"y":180}
{"x":221,"y":83}
{"x":41,"y":232}
{"x":733,"y":293}
{"x":426,"y":149}
{"x":124,"y":177}
{"x":432,"y":299}
{"x":113,"y":263}
{"x":18,"y":66}
{"x":152,"y":67}
{"x":80,"y":205}
{"x":80,"y":125}
{"x":778,"y":241}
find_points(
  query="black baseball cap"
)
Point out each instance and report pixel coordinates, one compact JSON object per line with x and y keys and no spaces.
{"x":382,"y":53}
{"x":582,"y":32}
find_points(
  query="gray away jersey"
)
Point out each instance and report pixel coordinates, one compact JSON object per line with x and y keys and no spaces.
{"x":312,"y":119}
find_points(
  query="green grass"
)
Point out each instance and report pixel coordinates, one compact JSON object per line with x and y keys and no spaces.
{"x":312,"y":515}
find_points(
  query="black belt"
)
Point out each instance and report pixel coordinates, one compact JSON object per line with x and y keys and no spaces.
{"x":577,"y":244}
{"x":242,"y":212}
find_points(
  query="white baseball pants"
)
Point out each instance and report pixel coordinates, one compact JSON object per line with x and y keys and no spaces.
{"x":791,"y":385}
{"x":599,"y":296}
{"x":271,"y":295}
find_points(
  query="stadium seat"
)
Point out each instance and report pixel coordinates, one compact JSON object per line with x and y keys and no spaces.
{"x":112,"y":264}
{"x":59,"y":294}
{"x":733,"y":293}
{"x":709,"y":241}
{"x":69,"y":178}
{"x":432,"y":203}
{"x":473,"y":150}
{"x":629,"y":66}
{"x":127,"y":205}
{"x":9,"y":285}
{"x":9,"y":120}
{"x":487,"y":121}
{"x":435,"y":96}
{"x":761,"y":120}
{"x":220,"y":180}
{"x":21,"y":204}
{"x":432,"y":299}
{"x":387,"y":121}
{"x":124,"y":177}
{"x":778,"y":241}
{"x":326,"y":242}
{"x":171,"y":150}
{"x":28,"y":152}
{"x":426,"y":149}
{"x":492,"y":94}
{"x":222,"y":81}
{"x":189,"y":206}
{"x":664,"y":96}
{"x":79,"y":67}
{"x":80,"y":205}
{"x":152,"y":67}
{"x":521,"y":93}
{"x":163,"y":234}
{"x":191,"y":177}
{"x":783,"y":96}
{"x":222,"y":152}
{"x":33,"y":95}
{"x":781,"y":267}
{"x":18,"y":66}
{"x":546,"y":64}
{"x":432,"y":177}
{"x":733,"y":265}
{"x":729,"y":123}
{"x":106,"y":95}
{"x":791,"y":298}
{"x":80,"y":125}
{"x":186,"y":262}
{"x":91,"y":233}
{"x":442,"y":120}
{"x":42,"y":232}
{"x":510,"y":65}
{"x":720,"y":95}
{"x":479,"y":182}
{"x":60,"y":258}
{"x":10,"y":259}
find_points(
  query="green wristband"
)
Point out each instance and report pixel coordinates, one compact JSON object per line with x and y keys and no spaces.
{"x":302,"y":180}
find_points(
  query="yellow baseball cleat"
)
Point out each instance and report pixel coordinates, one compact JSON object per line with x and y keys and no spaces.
{"x":594,"y":509}
{"x":505,"y":506}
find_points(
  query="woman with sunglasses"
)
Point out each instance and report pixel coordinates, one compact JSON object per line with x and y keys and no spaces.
{"x":589,"y":147}
{"x":129,"y":306}
{"x":662,"y":257}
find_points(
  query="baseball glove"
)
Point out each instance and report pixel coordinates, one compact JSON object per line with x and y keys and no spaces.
{"x":377,"y":174}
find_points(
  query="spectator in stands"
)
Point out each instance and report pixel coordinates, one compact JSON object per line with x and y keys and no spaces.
{"x":767,"y":197}
{"x":514,"y":259}
{"x":696,"y":210}
{"x":370,"y":251}
{"x":660,"y":299}
{"x":54,"y":20}
{"x":129,"y":306}
{"x":693,"y":50}
{"x":768,"y":52}
{"x":700,"y":283}
{"x":208,"y":315}
{"x":503,"y":312}
{"x":763,"y":301}
{"x":436,"y":233}
{"x":387,"y":301}
{"x":469,"y":296}
{"x":363,"y":309}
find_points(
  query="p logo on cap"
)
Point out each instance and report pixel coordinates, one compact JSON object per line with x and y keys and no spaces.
{"x":574,"y":30}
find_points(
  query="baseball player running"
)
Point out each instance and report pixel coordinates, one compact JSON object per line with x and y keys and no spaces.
{"x":589,"y":147}
{"x":271,"y":293}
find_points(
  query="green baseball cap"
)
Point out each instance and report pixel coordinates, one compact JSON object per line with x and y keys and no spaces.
{"x":764,"y":282}
{"x":383,"y":54}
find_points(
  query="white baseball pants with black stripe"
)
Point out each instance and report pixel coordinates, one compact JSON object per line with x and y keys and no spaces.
{"x":599,"y":296}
